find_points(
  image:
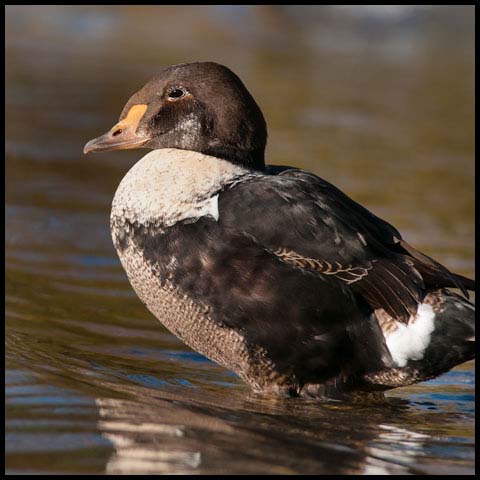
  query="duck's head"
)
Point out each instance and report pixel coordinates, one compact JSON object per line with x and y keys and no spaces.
{"x":200,"y":106}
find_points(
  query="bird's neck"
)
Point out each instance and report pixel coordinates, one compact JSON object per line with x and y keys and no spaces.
{"x":168,"y":186}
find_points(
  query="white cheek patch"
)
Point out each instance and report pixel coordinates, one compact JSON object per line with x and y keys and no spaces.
{"x":189,"y":130}
{"x":409,"y":342}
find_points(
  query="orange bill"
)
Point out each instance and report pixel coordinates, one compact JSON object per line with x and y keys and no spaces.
{"x":123,"y":135}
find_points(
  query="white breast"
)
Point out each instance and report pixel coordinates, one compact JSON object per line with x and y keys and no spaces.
{"x":170,"y":185}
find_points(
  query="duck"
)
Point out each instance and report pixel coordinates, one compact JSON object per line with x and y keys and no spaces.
{"x":271,"y":271}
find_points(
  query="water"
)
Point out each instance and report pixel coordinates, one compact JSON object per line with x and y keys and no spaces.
{"x":379,"y":102}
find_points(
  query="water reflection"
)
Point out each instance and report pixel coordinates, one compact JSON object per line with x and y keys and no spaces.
{"x":138,"y":444}
{"x":380,"y":102}
{"x":166,"y":435}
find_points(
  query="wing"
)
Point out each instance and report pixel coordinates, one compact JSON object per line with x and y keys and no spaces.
{"x":311,"y":225}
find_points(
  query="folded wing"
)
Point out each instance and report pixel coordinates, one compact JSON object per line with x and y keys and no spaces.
{"x":311,"y":225}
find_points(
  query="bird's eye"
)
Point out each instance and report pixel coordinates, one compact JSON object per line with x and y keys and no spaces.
{"x":176,"y":93}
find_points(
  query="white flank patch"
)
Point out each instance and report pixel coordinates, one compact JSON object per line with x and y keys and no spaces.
{"x":408,"y":342}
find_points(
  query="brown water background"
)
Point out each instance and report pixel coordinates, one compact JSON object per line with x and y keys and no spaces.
{"x":377,"y":100}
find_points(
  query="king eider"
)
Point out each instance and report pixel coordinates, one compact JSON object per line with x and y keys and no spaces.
{"x":270,"y":271}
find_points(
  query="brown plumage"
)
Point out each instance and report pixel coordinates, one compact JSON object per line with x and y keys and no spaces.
{"x":270,"y":271}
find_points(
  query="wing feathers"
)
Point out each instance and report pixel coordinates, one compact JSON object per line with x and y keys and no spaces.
{"x":311,"y":225}
{"x":436,"y":274}
{"x":383,"y":284}
{"x":403,"y":295}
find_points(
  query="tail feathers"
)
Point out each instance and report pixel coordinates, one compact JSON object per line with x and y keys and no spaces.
{"x":441,"y":337}
{"x":435,"y":274}
{"x":468,"y":283}
{"x":453,"y":338}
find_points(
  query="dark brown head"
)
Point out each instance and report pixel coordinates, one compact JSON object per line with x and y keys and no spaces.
{"x":200,"y":106}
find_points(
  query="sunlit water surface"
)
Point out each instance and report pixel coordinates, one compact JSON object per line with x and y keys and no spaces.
{"x":378,"y":102}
